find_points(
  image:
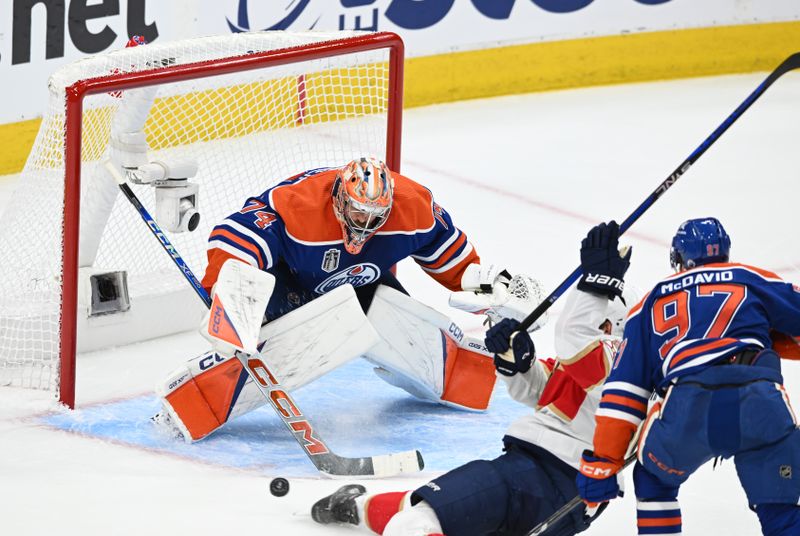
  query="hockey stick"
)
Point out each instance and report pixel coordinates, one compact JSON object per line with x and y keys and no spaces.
{"x":556,"y":516}
{"x":325,"y":460}
{"x":789,"y":64}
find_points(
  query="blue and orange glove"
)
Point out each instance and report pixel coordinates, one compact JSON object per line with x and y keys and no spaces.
{"x":597,"y":479}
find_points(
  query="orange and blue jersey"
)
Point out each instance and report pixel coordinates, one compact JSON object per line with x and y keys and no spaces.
{"x":294,"y":222}
{"x":687,"y":323}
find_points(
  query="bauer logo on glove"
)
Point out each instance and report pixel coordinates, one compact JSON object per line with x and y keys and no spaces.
{"x":602,"y":280}
{"x":603,"y":263}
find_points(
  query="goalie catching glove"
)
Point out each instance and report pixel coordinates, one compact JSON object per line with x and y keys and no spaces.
{"x":494,"y":292}
{"x":479,"y":278}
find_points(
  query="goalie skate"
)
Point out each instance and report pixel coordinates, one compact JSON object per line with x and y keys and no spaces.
{"x":339,"y":507}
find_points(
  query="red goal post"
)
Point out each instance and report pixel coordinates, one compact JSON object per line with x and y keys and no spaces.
{"x":304,"y":106}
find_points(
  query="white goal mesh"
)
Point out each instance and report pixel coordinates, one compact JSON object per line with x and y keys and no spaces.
{"x":245,"y":129}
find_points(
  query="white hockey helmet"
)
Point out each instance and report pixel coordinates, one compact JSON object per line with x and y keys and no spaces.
{"x":362,"y":193}
{"x":617,"y":311}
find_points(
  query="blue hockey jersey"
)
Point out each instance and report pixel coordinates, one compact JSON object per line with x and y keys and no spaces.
{"x":294,"y":221}
{"x":688,"y":322}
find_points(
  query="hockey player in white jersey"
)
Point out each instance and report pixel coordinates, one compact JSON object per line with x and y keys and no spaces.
{"x":536,"y":475}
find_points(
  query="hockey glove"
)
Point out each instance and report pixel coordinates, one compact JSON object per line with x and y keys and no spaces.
{"x":478,"y":278}
{"x":498,"y":341}
{"x":522,"y":294}
{"x":597,"y":479}
{"x":602,"y":263}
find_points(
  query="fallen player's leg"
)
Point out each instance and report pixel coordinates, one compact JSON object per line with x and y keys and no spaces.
{"x":510,"y":494}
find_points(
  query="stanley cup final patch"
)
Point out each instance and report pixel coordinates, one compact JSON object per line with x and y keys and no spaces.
{"x":330,"y":261}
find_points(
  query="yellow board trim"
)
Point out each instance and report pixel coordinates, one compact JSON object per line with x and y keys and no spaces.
{"x":635,"y":57}
{"x":16,"y":140}
{"x":595,"y":61}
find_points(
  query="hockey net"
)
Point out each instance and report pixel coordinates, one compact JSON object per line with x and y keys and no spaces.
{"x":249,"y":109}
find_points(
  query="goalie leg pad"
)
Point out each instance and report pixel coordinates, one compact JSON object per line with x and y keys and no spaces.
{"x":427,"y":355}
{"x":201,"y":396}
{"x":316,"y":338}
{"x":299,"y":347}
{"x":469,"y":376}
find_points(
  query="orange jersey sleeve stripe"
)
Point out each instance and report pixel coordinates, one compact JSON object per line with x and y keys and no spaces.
{"x":624,"y":401}
{"x":242,"y":243}
{"x":448,"y":254}
{"x":451,"y":279}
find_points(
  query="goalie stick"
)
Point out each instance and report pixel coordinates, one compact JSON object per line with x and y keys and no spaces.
{"x":325,"y":460}
{"x":789,"y":64}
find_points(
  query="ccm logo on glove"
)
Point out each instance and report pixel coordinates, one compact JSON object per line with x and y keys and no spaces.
{"x":590,"y":470}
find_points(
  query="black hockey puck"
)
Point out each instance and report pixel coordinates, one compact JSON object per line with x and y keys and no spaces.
{"x":279,"y":487}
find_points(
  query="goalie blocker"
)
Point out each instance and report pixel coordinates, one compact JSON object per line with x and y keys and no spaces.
{"x":412,"y":346}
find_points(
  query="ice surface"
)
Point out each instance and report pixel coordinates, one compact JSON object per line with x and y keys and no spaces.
{"x":525,"y":177}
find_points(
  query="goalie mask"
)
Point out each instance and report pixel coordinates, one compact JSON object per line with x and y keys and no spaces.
{"x":362,"y":199}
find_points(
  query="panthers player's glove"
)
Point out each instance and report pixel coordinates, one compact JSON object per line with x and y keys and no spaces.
{"x":498,"y":339}
{"x":602,"y":263}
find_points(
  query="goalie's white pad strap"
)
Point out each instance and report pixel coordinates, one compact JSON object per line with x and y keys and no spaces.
{"x":300,"y":347}
{"x":425,"y":353}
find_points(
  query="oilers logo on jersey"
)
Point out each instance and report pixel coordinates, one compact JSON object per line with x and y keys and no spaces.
{"x":358,"y":275}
